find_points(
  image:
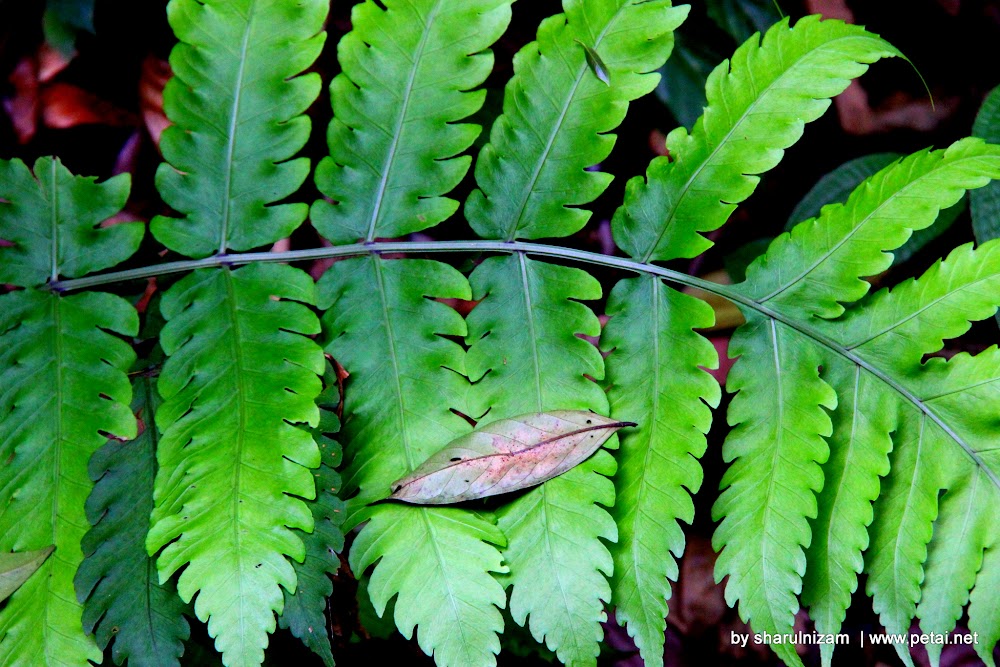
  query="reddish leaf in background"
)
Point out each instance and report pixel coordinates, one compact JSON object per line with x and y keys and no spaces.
{"x":154,"y":76}
{"x":22,"y":106}
{"x":899,"y":111}
{"x":65,"y":105}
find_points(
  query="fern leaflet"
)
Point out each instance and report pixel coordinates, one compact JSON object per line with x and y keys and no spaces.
{"x":758,"y":103}
{"x":240,"y":372}
{"x":237,"y":107}
{"x":653,"y":376}
{"x":557,"y":114}
{"x":408,"y":67}
{"x":117,"y":580}
{"x":64,"y":384}
{"x":383,"y":329}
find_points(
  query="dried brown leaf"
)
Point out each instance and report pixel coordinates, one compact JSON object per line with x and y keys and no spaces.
{"x":507,"y":455}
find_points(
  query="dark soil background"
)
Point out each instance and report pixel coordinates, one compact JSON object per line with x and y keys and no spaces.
{"x":97,"y":106}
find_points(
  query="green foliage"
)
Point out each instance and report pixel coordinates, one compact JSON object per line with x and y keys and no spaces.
{"x":986,"y":201}
{"x":52,"y":219}
{"x":64,"y":384}
{"x":382,"y":323}
{"x":871,"y":357}
{"x":850,"y":452}
{"x":651,"y":327}
{"x":527,"y":358}
{"x":304,"y":611}
{"x":531,"y":181}
{"x":117,"y":581}
{"x":758,"y":104}
{"x":836,"y":186}
{"x":240,"y":373}
{"x":236,"y":106}
{"x":395,"y":138}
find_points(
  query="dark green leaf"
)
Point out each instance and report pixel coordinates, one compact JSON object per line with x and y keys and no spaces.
{"x":117,"y":582}
{"x":986,"y":201}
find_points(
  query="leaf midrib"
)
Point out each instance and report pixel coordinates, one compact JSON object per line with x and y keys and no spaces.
{"x":550,"y":142}
{"x":390,"y":157}
{"x":237,"y":352}
{"x":394,"y":360}
{"x":233,"y":126}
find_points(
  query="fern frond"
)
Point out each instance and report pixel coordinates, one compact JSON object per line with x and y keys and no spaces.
{"x":409,"y":70}
{"x":859,"y":456}
{"x":382,"y":325}
{"x":922,"y":556}
{"x":117,"y":581}
{"x":776,"y":448}
{"x":52,"y":217}
{"x":558,"y":113}
{"x":653,"y":376}
{"x":240,"y":373}
{"x":962,"y":392}
{"x":525,"y":357}
{"x":236,"y":104}
{"x":893,"y":329}
{"x":984,"y":612}
{"x":63,"y":388}
{"x":758,"y":105}
{"x":305,"y":610}
{"x":821,"y":263}
{"x":904,"y":523}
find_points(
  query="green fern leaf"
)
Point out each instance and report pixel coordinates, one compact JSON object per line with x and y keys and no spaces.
{"x":910,"y":321}
{"x":777,"y":447}
{"x":873,"y":356}
{"x":63,"y":386}
{"x":117,"y":580}
{"x":305,"y":610}
{"x":816,"y":274}
{"x":449,"y":596}
{"x":52,"y":217}
{"x":524,"y":357}
{"x":984,"y":612}
{"x":395,"y":138}
{"x":859,"y":456}
{"x":237,"y":108}
{"x":653,"y":376}
{"x":382,"y":327}
{"x":240,"y":373}
{"x":962,"y":392}
{"x":558,"y":113}
{"x":758,"y":104}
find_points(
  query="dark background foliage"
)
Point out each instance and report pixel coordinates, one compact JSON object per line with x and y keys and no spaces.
{"x":82,"y":79}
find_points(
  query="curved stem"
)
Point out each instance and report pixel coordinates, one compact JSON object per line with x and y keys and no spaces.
{"x":388,"y":247}
{"x":726,"y":291}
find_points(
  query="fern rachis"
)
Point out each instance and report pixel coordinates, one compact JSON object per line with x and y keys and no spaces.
{"x":849,"y":452}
